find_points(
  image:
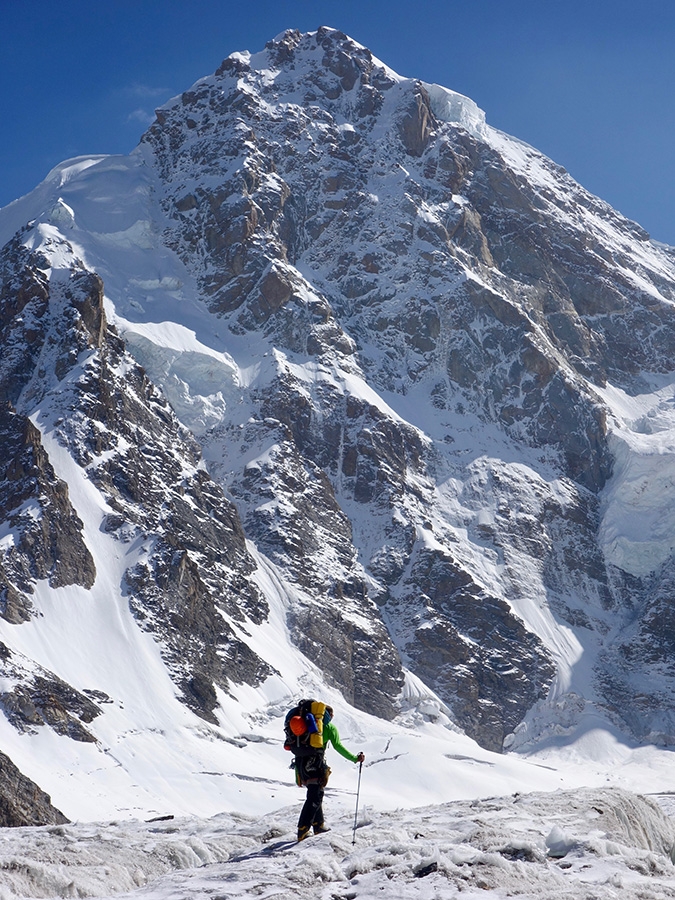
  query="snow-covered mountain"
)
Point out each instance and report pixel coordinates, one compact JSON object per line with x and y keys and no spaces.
{"x":330,"y":387}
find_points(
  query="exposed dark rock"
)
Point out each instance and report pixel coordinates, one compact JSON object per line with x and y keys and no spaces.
{"x":119,"y":427}
{"x":418,"y":123}
{"x":24,"y":303}
{"x":42,"y":698}
{"x":195,"y":576}
{"x":22,"y":802}
{"x":309,"y":528}
{"x":44,"y":703}
{"x":471,"y":648}
{"x":35,"y":503}
{"x":85,"y":292}
{"x":362,"y":663}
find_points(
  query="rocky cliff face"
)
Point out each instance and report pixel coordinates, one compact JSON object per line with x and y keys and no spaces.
{"x":188,"y":581}
{"x":406,"y":327}
{"x":21,"y":800}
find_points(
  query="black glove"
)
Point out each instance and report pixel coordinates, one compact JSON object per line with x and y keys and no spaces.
{"x":361,"y":757}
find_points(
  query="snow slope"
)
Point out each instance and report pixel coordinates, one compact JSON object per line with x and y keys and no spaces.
{"x":153,"y":756}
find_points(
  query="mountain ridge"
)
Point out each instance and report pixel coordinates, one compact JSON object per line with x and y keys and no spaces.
{"x":327,"y":318}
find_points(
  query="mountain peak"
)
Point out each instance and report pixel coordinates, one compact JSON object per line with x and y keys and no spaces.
{"x":335,"y":390}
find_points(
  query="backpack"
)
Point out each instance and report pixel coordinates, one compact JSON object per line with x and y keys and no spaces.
{"x":303,"y":728}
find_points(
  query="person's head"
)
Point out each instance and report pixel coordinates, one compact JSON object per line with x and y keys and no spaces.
{"x":328,"y":715}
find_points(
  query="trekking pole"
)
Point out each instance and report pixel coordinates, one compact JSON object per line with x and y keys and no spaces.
{"x":356,"y":811}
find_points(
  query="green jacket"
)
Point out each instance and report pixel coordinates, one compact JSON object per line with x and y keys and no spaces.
{"x":331,"y":736}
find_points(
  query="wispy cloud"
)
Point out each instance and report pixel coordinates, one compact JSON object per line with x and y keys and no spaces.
{"x":141,"y":115}
{"x":146,"y":91}
{"x":141,"y":100}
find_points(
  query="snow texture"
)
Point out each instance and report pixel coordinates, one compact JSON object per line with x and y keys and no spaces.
{"x":597,"y":844}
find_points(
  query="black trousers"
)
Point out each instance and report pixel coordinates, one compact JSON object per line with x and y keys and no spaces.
{"x":312,"y":810}
{"x":312,"y":773}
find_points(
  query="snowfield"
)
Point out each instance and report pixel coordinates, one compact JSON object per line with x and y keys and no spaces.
{"x":584,"y":844}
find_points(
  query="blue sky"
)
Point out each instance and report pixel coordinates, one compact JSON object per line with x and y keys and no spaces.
{"x":591,"y":84}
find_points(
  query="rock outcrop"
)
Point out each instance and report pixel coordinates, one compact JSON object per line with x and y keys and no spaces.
{"x":22,"y":802}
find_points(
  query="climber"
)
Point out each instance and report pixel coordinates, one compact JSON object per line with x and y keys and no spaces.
{"x":311,"y":770}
